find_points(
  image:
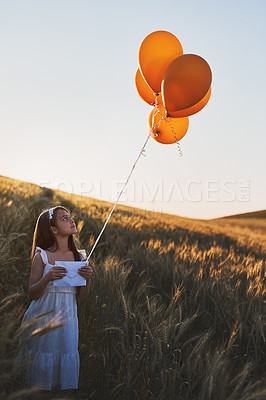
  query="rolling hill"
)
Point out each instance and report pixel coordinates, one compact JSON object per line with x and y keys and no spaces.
{"x":176,"y":308}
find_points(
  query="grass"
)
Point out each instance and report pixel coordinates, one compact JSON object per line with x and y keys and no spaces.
{"x":176,"y":309}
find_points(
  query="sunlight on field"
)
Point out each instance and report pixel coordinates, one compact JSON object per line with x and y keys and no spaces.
{"x":176,"y":309}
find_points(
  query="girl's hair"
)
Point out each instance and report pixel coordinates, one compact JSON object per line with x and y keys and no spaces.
{"x":44,"y":237}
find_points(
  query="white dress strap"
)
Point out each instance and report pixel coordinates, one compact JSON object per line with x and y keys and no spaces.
{"x":43,"y":254}
{"x":83,"y":255}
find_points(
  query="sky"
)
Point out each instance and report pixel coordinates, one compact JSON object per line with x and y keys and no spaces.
{"x":71,"y":119}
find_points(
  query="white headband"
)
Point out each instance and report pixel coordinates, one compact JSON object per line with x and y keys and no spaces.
{"x":51,"y":212}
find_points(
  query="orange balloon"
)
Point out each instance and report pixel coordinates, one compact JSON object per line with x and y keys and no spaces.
{"x":145,"y":91}
{"x":186,"y":81}
{"x":156,"y":52}
{"x":191,"y":110}
{"x":164,"y":129}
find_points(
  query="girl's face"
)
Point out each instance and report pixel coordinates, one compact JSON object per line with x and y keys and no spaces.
{"x":64,"y":223}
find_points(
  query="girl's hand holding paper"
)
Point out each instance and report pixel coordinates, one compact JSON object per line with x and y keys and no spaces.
{"x":56,"y":273}
{"x":86,"y":272}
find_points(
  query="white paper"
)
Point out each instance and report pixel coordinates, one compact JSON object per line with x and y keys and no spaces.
{"x":72,"y":278}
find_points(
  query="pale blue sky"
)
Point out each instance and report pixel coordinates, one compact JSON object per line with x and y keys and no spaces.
{"x":70,"y":116}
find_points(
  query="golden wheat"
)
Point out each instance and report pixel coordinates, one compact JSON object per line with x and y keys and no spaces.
{"x":176,"y":308}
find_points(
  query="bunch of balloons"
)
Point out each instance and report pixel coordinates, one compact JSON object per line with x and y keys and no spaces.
{"x":177,"y":85}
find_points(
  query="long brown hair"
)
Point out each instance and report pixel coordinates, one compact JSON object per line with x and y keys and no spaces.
{"x":43,"y":236}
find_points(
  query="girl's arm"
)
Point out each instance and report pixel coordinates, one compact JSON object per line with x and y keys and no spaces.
{"x":38,"y":282}
{"x":83,"y":291}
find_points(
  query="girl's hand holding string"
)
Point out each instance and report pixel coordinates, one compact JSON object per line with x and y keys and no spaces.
{"x":86,"y":272}
{"x":56,"y":273}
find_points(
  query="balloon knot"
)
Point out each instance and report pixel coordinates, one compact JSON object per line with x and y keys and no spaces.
{"x":143,"y":152}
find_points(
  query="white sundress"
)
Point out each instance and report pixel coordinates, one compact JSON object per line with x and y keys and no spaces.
{"x":52,"y":358}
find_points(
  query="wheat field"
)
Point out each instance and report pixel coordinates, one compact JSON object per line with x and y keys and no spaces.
{"x":176,"y":308}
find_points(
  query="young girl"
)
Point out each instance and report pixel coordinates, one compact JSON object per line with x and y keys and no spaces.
{"x":53,"y":357}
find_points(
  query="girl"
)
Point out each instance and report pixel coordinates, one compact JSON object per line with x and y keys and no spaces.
{"x":53,"y":357}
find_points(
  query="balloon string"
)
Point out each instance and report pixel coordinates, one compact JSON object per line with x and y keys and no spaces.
{"x":155,"y":126}
{"x":111,"y":212}
{"x":176,"y":140}
{"x":167,"y":119}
